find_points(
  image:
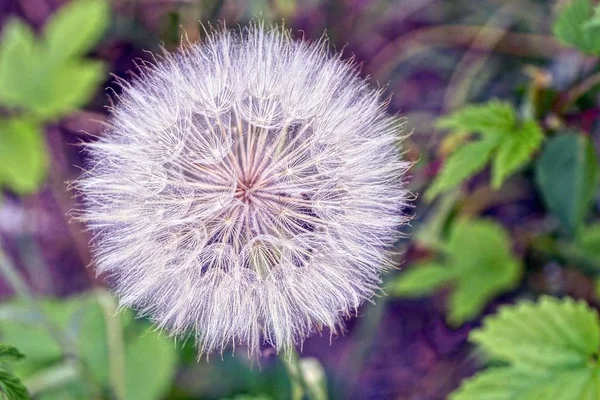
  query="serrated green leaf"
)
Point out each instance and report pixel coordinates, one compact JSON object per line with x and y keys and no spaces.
{"x":420,"y":279}
{"x":552,"y":350}
{"x":463,"y":163}
{"x":478,"y":265}
{"x":24,"y":157}
{"x":503,"y":138}
{"x":9,"y":354}
{"x":75,"y":28}
{"x":12,"y":386}
{"x":515,"y":151}
{"x":491,"y":118}
{"x":509,"y":383}
{"x":567,"y":175}
{"x":575,"y":26}
{"x":552,"y":333}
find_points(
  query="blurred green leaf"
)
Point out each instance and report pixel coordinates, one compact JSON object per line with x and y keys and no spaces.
{"x":552,"y":347}
{"x":10,"y":385}
{"x":19,"y":60}
{"x":492,"y":118}
{"x":421,"y":279}
{"x":515,"y":151}
{"x":9,"y":354}
{"x":478,"y":264}
{"x":46,"y":76}
{"x":75,"y":28}
{"x":150,"y":359}
{"x":463,"y":163}
{"x":149,"y":367}
{"x":588,"y":241}
{"x":23,"y":153}
{"x":505,"y":140}
{"x":567,"y":175}
{"x":577,"y":25}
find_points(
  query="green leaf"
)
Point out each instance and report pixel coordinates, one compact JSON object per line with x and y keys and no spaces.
{"x":567,"y":175}
{"x":68,"y":88}
{"x":19,"y":61}
{"x":12,"y":386}
{"x":515,"y":151}
{"x":575,"y":26}
{"x":150,"y":359}
{"x":552,"y":350}
{"x":514,"y":384}
{"x":588,"y":241}
{"x":420,"y":279}
{"x":463,"y":163}
{"x":150,"y":364}
{"x":47,"y":77}
{"x":552,"y":333}
{"x":9,"y":354}
{"x":478,"y":264}
{"x":506,"y":140}
{"x":76,"y":27}
{"x":23,"y":153}
{"x":492,"y":118}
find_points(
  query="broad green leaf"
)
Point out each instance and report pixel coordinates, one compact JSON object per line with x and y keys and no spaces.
{"x":19,"y":61}
{"x":478,"y":265}
{"x":491,"y":118}
{"x":463,"y":163}
{"x":480,"y":252}
{"x":420,"y":279}
{"x":552,"y":333}
{"x":75,"y":28}
{"x":66,"y":87}
{"x":567,"y":176}
{"x":552,"y":349}
{"x":150,"y":364}
{"x":24,"y":157}
{"x":47,"y":76}
{"x":515,"y":151}
{"x":574,"y":26}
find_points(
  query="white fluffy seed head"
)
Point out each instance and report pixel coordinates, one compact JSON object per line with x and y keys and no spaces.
{"x":248,"y":191}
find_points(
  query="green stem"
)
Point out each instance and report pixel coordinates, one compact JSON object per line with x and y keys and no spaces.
{"x":53,"y":377}
{"x":291,"y":364}
{"x":116,"y":348}
{"x":565,"y":253}
{"x":299,"y":388}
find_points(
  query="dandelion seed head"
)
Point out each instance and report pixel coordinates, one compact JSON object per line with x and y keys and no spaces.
{"x":248,"y":191}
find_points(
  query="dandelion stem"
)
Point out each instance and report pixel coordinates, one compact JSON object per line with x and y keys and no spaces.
{"x":114,"y":338}
{"x":299,"y":387}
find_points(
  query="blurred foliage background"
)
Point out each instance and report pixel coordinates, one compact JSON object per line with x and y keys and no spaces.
{"x":501,"y":98}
